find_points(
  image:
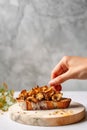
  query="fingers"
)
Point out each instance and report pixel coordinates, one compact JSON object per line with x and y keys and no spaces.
{"x":60,"y":73}
{"x":58,"y":70}
{"x":60,"y":79}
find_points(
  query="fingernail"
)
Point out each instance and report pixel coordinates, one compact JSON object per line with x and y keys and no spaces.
{"x":51,"y":82}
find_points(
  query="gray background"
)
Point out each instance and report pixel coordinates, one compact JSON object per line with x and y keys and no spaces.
{"x":35,"y":35}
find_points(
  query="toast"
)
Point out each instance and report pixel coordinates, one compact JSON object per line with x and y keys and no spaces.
{"x":42,"y":98}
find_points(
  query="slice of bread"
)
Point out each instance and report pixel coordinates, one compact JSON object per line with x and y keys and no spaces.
{"x":42,"y":98}
{"x":46,"y":105}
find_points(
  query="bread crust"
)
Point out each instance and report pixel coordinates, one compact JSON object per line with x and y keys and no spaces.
{"x":46,"y":105}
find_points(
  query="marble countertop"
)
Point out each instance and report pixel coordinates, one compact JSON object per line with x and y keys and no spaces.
{"x":77,"y":96}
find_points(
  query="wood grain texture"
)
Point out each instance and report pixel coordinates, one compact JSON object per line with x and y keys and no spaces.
{"x":55,"y":117}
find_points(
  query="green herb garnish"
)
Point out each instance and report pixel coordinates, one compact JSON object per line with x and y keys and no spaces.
{"x":6,"y":97}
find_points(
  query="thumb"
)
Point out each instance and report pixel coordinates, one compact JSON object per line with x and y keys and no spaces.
{"x":60,"y":79}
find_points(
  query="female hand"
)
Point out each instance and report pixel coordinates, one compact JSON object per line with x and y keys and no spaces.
{"x":69,"y":67}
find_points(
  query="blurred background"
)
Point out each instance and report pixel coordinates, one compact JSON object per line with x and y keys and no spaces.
{"x":35,"y":35}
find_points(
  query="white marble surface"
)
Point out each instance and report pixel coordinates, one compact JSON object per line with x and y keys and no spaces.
{"x":79,"y":96}
{"x":35,"y":35}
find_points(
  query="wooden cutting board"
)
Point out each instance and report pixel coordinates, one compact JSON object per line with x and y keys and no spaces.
{"x":55,"y":117}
